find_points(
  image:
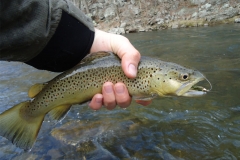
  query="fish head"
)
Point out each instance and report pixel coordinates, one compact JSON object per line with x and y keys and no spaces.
{"x":177,"y":80}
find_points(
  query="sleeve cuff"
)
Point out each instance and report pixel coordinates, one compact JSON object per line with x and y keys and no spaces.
{"x":70,"y":43}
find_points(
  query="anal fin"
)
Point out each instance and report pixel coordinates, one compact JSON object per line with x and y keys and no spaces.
{"x":59,"y":112}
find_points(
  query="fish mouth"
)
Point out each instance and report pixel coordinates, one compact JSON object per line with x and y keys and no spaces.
{"x":195,"y":91}
{"x":189,"y":89}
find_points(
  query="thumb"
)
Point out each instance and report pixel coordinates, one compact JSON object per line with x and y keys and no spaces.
{"x":130,"y":63}
{"x":129,"y":55}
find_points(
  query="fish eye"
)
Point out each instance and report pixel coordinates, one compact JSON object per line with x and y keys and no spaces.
{"x":184,"y":76}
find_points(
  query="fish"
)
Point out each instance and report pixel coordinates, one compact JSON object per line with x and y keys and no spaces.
{"x":21,"y":123}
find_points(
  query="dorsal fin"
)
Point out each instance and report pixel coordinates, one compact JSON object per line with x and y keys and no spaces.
{"x":97,"y":55}
{"x":35,"y":89}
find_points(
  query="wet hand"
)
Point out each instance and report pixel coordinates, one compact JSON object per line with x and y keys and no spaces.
{"x":111,"y":96}
{"x":117,"y":94}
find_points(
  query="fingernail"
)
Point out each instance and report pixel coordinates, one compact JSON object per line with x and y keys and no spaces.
{"x":108,"y":89}
{"x":98,"y":100}
{"x":119,"y":89}
{"x":132,"y":70}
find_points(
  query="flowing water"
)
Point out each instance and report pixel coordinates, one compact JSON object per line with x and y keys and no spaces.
{"x":206,"y":127}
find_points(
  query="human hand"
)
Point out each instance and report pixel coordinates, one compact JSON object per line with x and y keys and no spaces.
{"x":117,"y":94}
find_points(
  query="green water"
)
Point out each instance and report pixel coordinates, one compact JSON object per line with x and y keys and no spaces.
{"x":206,"y":127}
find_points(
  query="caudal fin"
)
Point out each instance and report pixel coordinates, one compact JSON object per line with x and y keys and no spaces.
{"x":19,"y":127}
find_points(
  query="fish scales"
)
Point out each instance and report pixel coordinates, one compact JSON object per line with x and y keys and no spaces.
{"x":81,"y":83}
{"x":89,"y":80}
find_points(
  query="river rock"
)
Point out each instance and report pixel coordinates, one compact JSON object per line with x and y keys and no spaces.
{"x":175,"y":25}
{"x":208,"y":6}
{"x":135,"y":10}
{"x":117,"y":30}
{"x":101,"y":1}
{"x":237,"y":20}
{"x":203,"y":14}
{"x":197,"y":2}
{"x":77,"y":132}
{"x":160,"y":21}
{"x":141,"y":29}
{"x":186,"y":11}
{"x":225,"y":6}
{"x":55,"y":154}
{"x":227,"y":13}
{"x":123,"y":25}
{"x":25,"y":156}
{"x":231,"y":12}
{"x":213,"y":2}
{"x":195,"y":15}
{"x":112,"y":13}
{"x":133,"y":1}
{"x":96,"y":6}
{"x":109,"y":13}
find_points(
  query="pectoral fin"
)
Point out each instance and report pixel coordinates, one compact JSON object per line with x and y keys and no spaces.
{"x":144,"y":100}
{"x":59,"y":112}
{"x":35,"y":89}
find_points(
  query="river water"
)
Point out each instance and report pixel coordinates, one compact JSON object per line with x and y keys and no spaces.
{"x":206,"y":127}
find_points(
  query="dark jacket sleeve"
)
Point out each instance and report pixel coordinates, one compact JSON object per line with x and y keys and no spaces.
{"x":38,"y":31}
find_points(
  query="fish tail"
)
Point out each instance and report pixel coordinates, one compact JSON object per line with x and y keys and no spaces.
{"x":19,"y":127}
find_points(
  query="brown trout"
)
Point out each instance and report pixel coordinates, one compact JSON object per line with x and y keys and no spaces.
{"x":22,"y":122}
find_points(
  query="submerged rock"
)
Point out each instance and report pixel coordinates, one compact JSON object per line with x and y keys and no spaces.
{"x":77,"y":132}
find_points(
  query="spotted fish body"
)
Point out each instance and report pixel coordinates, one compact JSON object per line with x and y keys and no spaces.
{"x":81,"y":83}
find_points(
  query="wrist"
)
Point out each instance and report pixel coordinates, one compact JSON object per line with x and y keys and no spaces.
{"x":101,"y":41}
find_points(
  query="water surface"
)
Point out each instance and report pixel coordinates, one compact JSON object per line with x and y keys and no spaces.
{"x":206,"y":127}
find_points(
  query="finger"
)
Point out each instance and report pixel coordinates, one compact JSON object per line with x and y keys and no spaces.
{"x":109,"y":100}
{"x":96,"y":102}
{"x":122,"y":96}
{"x":144,"y":103}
